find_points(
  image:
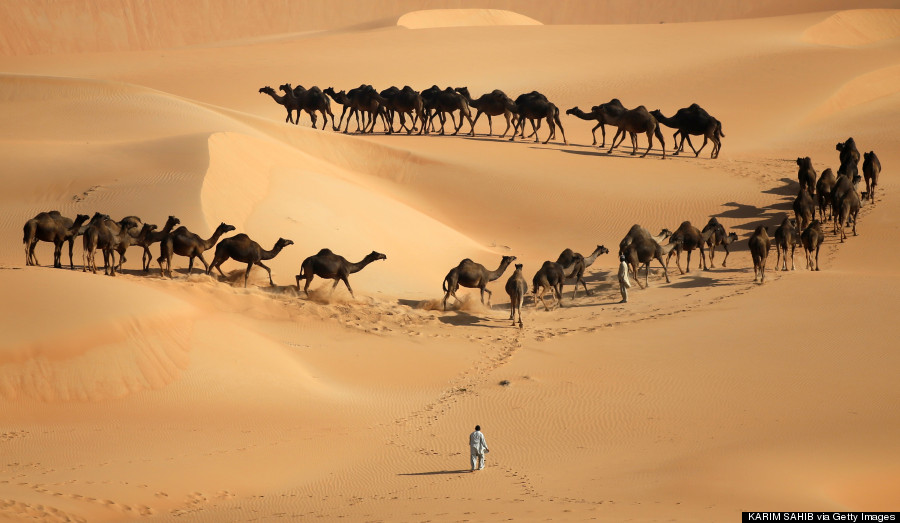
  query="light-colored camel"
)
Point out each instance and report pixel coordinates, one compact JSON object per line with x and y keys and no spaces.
{"x":632,"y":122}
{"x":823,"y":191}
{"x":760,"y":244}
{"x":806,"y":174}
{"x":183,"y":242}
{"x":54,"y":228}
{"x":718,"y":237}
{"x":786,"y":237}
{"x":474,"y":276}
{"x":598,"y":113}
{"x":804,"y":208}
{"x":331,"y":266}
{"x":548,"y":278}
{"x":516,"y":288}
{"x":494,"y":103}
{"x":280,"y":100}
{"x":687,"y":238}
{"x":871,"y":171}
{"x":640,"y":248}
{"x":693,"y":120}
{"x":106,"y":235}
{"x":575,"y":263}
{"x":154,"y":237}
{"x":812,"y":238}
{"x":242,"y":249}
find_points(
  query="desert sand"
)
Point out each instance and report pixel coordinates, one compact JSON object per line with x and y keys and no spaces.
{"x":193,"y":398}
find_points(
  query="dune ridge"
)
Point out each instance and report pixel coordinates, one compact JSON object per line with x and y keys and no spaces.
{"x":462,"y":18}
{"x":856,"y":27}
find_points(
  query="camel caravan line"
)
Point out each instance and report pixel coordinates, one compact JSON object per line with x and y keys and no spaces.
{"x":368,"y":105}
{"x":819,"y":199}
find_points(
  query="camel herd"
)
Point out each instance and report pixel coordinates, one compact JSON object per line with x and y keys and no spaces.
{"x":828,"y":196}
{"x":367,"y":105}
{"x":100,"y":232}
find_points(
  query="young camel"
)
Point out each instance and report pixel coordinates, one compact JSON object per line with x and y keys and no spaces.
{"x":549,"y":277}
{"x":328,"y":265}
{"x":718,"y":237}
{"x":242,"y":249}
{"x":474,"y":276}
{"x":759,"y":250}
{"x":516,"y":288}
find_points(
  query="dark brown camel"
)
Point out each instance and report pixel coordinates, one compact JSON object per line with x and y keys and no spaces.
{"x":786,"y":237}
{"x":535,"y":106}
{"x":447,"y":101}
{"x":339,"y":97}
{"x":693,"y":120}
{"x":54,"y":228}
{"x":183,"y":242}
{"x":823,"y":191}
{"x":311,"y":100}
{"x":687,"y":238}
{"x":365,"y":101}
{"x":871,"y":171}
{"x":494,"y":103}
{"x":806,"y":174}
{"x":847,"y":211}
{"x":804,"y":208}
{"x":842,"y":188}
{"x":154,"y":237}
{"x":548,"y":278}
{"x":848,"y":152}
{"x":331,"y":266}
{"x":812,"y":238}
{"x":760,"y":244}
{"x":640,"y":248}
{"x":632,"y":122}
{"x":718,"y":237}
{"x":106,"y":235}
{"x":598,"y":113}
{"x":516,"y":288}
{"x":280,"y":100}
{"x":127,"y":240}
{"x":403,"y":102}
{"x":575,"y":264}
{"x":474,"y":276}
{"x":242,"y":249}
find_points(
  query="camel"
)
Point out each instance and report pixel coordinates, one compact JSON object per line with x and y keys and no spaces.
{"x":474,"y":276}
{"x":339,"y":97}
{"x":848,"y":210}
{"x":842,"y":188}
{"x":823,"y":191}
{"x":516,"y":288}
{"x":804,"y":208}
{"x":535,"y":106}
{"x":786,"y":237}
{"x":807,"y":175}
{"x":310,"y":100}
{"x":599,"y":112}
{"x":495,"y":103}
{"x":848,"y":152}
{"x":328,"y":265}
{"x":242,"y":249}
{"x":105,"y":234}
{"x":640,"y":248}
{"x":280,"y":100}
{"x":549,"y":277}
{"x":406,"y":101}
{"x":183,"y":242}
{"x":128,"y":240}
{"x":54,"y":228}
{"x":365,"y":100}
{"x":634,"y":121}
{"x":718,"y":237}
{"x":759,"y":250}
{"x":154,"y":237}
{"x":871,"y":170}
{"x":575,"y":263}
{"x":439,"y":102}
{"x":693,"y":120}
{"x":687,"y":238}
{"x":812,"y":238}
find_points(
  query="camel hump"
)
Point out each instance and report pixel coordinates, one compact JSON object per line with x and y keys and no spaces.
{"x":324,"y":252}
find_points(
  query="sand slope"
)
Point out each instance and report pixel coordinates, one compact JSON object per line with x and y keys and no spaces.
{"x":142,"y":397}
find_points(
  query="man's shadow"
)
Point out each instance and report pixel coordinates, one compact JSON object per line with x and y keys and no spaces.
{"x":436,"y":472}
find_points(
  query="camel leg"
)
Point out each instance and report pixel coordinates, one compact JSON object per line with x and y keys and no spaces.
{"x":778,"y":260}
{"x":247,"y":273}
{"x":347,"y":284}
{"x":792,"y":257}
{"x":698,"y":151}
{"x":309,"y":279}
{"x":507,"y":115}
{"x":649,"y":146}
{"x":71,"y":245}
{"x":268,"y":270}
{"x":594,"y":133}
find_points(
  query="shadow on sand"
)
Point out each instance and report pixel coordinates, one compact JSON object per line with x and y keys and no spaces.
{"x":435,"y":473}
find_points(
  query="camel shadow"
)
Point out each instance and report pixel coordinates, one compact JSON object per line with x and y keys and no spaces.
{"x":435,"y":473}
{"x":461,"y":319}
{"x":694,"y":282}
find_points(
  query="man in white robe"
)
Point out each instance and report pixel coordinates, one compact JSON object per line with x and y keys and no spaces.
{"x":477,"y":447}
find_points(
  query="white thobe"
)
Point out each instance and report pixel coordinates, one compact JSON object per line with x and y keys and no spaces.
{"x":477,"y":446}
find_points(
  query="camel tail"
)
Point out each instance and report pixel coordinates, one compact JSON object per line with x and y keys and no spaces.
{"x":719,"y":129}
{"x":444,"y":285}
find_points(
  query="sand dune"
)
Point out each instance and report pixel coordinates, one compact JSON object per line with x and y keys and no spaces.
{"x":193,"y":397}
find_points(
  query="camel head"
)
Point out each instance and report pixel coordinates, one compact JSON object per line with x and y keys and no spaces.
{"x":518,"y":266}
{"x":463,"y":91}
{"x":266,"y":90}
{"x":224,"y":228}
{"x":601,"y":250}
{"x":856,"y":179}
{"x":868,"y":156}
{"x":804,"y":162}
{"x":286,"y":87}
{"x":507,"y":260}
{"x":374,"y":256}
{"x":732,"y":237}
{"x":665,"y":233}
{"x":282,"y":243}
